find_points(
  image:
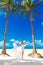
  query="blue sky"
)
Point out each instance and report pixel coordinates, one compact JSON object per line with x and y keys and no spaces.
{"x":19,"y":29}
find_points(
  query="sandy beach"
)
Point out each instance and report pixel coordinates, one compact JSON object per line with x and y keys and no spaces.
{"x":15,"y":57}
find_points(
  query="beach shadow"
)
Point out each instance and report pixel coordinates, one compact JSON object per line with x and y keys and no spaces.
{"x":12,"y":62}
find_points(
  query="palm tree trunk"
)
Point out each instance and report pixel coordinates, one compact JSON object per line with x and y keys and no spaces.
{"x":34,"y":53}
{"x":33,"y":38}
{"x":4,"y":44}
{"x":5,"y":34}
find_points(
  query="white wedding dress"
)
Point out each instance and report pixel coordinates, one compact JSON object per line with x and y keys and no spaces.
{"x":17,"y":50}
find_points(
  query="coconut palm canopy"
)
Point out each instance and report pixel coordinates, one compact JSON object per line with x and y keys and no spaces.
{"x":28,"y":7}
{"x":8,"y":4}
{"x":18,"y":29}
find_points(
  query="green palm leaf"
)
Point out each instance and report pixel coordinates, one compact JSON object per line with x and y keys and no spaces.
{"x":37,"y":13}
{"x":14,"y":10}
{"x":25,"y":14}
{"x":2,"y":7}
{"x":30,"y":2}
{"x":22,"y":11}
{"x":2,"y":3}
{"x":37,"y":4}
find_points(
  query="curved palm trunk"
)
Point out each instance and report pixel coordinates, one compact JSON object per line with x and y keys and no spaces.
{"x":34,"y":53}
{"x":4,"y":44}
{"x":33,"y":38}
{"x":5,"y":34}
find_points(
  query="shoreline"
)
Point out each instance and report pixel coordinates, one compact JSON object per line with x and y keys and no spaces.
{"x":14,"y":57}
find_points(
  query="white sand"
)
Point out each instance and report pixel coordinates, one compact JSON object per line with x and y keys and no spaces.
{"x":15,"y":55}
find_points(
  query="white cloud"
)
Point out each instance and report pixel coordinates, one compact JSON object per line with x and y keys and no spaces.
{"x":39,"y":42}
{"x":15,"y":42}
{"x":42,"y":23}
{"x":1,"y":43}
{"x":30,"y":44}
{"x":12,"y":40}
{"x":24,"y":41}
{"x":42,"y":44}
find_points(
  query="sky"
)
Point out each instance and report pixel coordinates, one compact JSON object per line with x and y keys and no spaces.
{"x":19,"y":29}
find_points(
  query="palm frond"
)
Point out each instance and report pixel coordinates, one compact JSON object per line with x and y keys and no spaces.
{"x":30,"y":2}
{"x":14,"y":3}
{"x":37,"y":13}
{"x":14,"y":11}
{"x":2,"y":3}
{"x":2,"y":7}
{"x":25,"y":14}
{"x":22,"y":11}
{"x":21,"y":7}
{"x":17,"y":5}
{"x":37,"y":4}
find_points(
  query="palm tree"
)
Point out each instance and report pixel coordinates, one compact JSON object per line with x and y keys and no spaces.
{"x":27,"y":7}
{"x":9,"y":5}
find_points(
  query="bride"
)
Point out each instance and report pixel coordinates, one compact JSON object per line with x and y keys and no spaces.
{"x":19,"y":50}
